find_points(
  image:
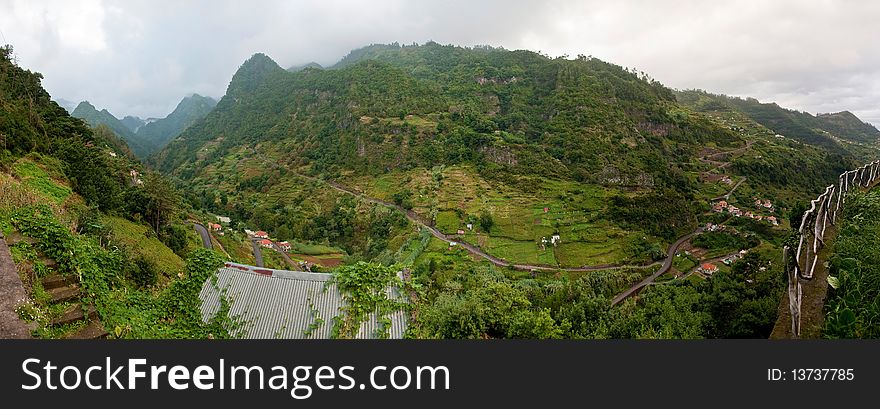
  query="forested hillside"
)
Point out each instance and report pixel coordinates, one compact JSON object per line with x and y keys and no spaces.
{"x":77,"y":209}
{"x":156,"y":134}
{"x":148,"y":137}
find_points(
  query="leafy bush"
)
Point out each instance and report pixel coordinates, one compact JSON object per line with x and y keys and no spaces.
{"x":853,"y":304}
{"x":144,"y":272}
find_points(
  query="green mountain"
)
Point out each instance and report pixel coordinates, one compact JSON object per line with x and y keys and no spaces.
{"x":848,"y":126}
{"x":133,"y":123}
{"x":87,"y":112}
{"x":158,"y":133}
{"x":147,"y":137}
{"x":69,"y":190}
{"x":824,"y":130}
{"x":607,"y":155}
{"x":312,"y":65}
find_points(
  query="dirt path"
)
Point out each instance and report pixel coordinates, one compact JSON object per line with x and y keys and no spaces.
{"x":815,"y":291}
{"x":11,"y":293}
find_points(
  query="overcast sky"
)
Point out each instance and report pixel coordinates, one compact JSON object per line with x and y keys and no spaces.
{"x":141,"y":57}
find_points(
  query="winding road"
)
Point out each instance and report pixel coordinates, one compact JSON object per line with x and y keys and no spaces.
{"x":258,"y":252}
{"x":206,"y":237}
{"x":418,"y":220}
{"x":422,"y":223}
{"x":726,"y":196}
{"x":206,"y":242}
{"x":667,"y":264}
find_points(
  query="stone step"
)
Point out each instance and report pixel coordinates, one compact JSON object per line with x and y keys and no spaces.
{"x":75,"y":313}
{"x":94,"y":330}
{"x":57,"y":281}
{"x":62,"y":294}
{"x":48,"y":262}
{"x":16,"y":237}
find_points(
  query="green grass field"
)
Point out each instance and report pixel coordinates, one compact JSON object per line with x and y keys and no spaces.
{"x":39,"y":179}
{"x":135,"y":237}
{"x":521,"y":219}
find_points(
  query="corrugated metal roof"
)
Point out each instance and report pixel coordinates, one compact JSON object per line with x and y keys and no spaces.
{"x":285,"y":304}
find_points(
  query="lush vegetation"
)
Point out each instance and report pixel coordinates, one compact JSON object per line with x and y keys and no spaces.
{"x":146,"y":138}
{"x":93,"y":211}
{"x":485,"y":303}
{"x":853,"y":306}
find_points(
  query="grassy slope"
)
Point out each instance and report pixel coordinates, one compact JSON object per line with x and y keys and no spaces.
{"x":137,"y":238}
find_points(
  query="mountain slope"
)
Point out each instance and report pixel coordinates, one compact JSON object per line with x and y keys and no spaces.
{"x":133,"y":123}
{"x":606,"y":158}
{"x":93,"y":117}
{"x":491,"y":125}
{"x":158,"y":133}
{"x":147,"y":137}
{"x":848,"y":126}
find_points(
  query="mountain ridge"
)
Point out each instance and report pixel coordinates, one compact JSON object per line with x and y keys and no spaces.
{"x":146,"y":137}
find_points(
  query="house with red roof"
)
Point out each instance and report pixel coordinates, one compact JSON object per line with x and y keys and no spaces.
{"x":284,"y":246}
{"x":266,"y":243}
{"x":261,"y":235}
{"x":709,"y":268}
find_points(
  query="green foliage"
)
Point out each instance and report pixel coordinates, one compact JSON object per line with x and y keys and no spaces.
{"x":111,"y":281}
{"x":725,"y":240}
{"x":174,"y":236}
{"x":144,"y":272}
{"x":739,"y":304}
{"x":403,"y":199}
{"x":665,"y":214}
{"x":486,"y":221}
{"x":491,"y":307}
{"x":34,"y":176}
{"x":853,"y":307}
{"x":365,"y":288}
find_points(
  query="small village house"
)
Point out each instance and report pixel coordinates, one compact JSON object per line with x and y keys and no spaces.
{"x":709,"y":268}
{"x":261,"y":235}
{"x":266,"y":243}
{"x":284,"y":246}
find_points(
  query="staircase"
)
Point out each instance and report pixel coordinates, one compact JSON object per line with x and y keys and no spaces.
{"x":66,"y":289}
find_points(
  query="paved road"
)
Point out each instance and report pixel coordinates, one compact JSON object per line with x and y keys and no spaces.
{"x":258,"y":252}
{"x":206,"y":237}
{"x":667,"y":264}
{"x":293,"y":265}
{"x":726,"y":196}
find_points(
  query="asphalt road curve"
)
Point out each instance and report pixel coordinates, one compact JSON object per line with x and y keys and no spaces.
{"x":258,"y":251}
{"x":667,"y":264}
{"x":206,"y":237}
